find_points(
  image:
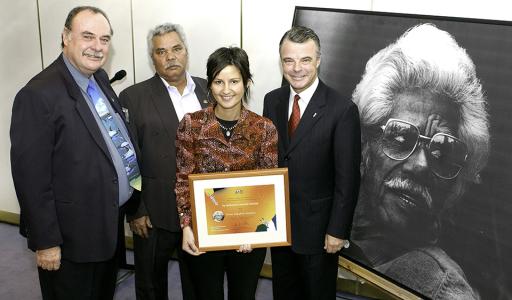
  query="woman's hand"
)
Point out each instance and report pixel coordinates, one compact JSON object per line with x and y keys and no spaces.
{"x":189,"y":243}
{"x":245,"y":248}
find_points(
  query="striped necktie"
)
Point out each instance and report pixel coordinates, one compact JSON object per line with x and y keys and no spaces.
{"x":295,"y":117}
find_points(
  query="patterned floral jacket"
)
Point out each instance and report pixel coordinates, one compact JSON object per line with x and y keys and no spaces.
{"x":202,"y":148}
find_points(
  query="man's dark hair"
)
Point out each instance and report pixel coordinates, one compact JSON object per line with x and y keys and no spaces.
{"x":229,"y":56}
{"x":301,"y":34}
{"x":75,"y":11}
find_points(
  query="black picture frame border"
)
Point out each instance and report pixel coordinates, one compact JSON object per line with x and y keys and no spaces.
{"x":402,"y":15}
{"x":375,"y":277}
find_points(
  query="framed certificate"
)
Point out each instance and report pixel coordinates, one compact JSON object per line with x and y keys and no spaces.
{"x":242,"y":207}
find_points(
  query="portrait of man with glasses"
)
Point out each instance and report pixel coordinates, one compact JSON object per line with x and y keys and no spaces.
{"x":425,"y":137}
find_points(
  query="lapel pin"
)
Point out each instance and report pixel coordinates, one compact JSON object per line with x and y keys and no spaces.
{"x":314,"y":115}
{"x":126,"y":114}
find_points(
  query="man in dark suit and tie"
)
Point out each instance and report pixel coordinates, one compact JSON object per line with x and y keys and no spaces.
{"x":73,"y":164}
{"x":319,"y":143}
{"x":155,"y":107}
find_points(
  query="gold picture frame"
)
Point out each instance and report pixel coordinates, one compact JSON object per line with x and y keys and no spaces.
{"x":241,"y":207}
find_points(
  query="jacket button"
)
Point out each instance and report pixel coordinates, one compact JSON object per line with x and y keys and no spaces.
{"x":115,"y":181}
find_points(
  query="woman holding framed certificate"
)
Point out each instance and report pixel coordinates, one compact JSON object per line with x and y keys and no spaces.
{"x":223,"y":137}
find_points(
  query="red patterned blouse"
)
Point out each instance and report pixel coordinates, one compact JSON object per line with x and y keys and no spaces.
{"x":202,"y":148}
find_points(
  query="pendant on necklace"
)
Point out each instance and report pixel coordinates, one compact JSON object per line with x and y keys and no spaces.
{"x":228,"y":133}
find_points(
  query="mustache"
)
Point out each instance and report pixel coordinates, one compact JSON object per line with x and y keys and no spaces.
{"x":172,"y":64}
{"x":94,"y":54}
{"x":411,"y":188}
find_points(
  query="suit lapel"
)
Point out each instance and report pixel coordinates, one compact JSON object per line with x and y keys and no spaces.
{"x":282,"y":116}
{"x":201,"y":91}
{"x":163,"y":104}
{"x":83,"y":109}
{"x":164,"y":107}
{"x":314,"y":112}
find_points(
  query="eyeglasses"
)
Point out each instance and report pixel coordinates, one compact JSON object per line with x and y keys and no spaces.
{"x":446,"y":154}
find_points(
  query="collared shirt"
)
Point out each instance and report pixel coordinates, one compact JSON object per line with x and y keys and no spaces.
{"x":125,"y":190}
{"x":305,"y":97}
{"x":185,"y":103}
{"x":202,"y":148}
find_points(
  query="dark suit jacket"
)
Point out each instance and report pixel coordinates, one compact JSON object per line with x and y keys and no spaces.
{"x":323,"y":159}
{"x":154,"y":122}
{"x":63,"y":173}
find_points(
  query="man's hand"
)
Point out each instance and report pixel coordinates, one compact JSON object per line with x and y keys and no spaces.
{"x":140,"y":226}
{"x":333,"y":244}
{"x":189,"y":243}
{"x":48,"y":259}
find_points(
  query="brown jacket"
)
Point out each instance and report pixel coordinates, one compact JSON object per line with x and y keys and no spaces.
{"x":202,"y":148}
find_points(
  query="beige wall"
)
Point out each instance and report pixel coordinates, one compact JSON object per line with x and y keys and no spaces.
{"x":19,"y":62}
{"x":217,"y":23}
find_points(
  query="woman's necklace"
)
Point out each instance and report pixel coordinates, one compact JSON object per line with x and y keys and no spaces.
{"x":228,"y":130}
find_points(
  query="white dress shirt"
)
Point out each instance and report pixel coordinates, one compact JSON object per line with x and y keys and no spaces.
{"x":305,"y":97}
{"x":186,"y":102}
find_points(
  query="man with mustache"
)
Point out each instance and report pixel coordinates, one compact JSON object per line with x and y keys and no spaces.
{"x":155,"y":107}
{"x":73,"y":164}
{"x":425,"y":136}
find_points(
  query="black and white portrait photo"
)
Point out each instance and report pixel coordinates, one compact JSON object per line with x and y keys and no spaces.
{"x":435,"y":101}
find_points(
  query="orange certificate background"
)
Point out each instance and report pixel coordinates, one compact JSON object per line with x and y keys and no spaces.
{"x":240,"y":209}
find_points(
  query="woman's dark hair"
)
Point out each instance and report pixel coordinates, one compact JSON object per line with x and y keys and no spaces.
{"x":229,"y":56}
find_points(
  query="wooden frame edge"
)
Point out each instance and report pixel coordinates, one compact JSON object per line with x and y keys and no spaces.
{"x":9,"y":217}
{"x":244,"y":173}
